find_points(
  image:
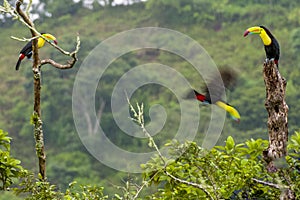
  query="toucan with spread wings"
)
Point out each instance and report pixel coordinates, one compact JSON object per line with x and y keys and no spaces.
{"x":272,"y":47}
{"x":214,"y":90}
{"x":27,"y":49}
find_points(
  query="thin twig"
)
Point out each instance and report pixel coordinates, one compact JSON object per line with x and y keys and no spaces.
{"x":24,"y":18}
{"x":190,"y":183}
{"x":140,"y":120}
{"x":23,"y":39}
{"x":142,"y":186}
{"x":62,"y":50}
{"x":270,"y":184}
{"x":28,"y":7}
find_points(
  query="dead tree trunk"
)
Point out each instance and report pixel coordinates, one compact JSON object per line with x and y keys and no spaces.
{"x":277,"y":114}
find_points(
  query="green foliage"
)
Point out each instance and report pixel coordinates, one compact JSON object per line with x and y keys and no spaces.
{"x":233,"y":171}
{"x":87,"y":192}
{"x":64,"y":7}
{"x":293,"y":160}
{"x":35,"y":189}
{"x":65,"y":166}
{"x":4,"y":195}
{"x":10,"y":167}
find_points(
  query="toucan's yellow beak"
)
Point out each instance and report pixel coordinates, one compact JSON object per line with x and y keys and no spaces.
{"x":50,"y":37}
{"x":234,"y":114}
{"x":253,"y":30}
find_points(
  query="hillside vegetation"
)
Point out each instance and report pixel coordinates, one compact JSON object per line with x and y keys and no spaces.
{"x":217,"y":25}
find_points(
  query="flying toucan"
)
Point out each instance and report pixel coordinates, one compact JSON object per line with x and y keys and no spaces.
{"x":27,"y":49}
{"x":214,"y":89}
{"x":271,"y":44}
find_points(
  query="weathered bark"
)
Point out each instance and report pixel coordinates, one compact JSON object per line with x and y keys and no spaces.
{"x":287,"y":195}
{"x":277,"y":120}
{"x":278,"y":115}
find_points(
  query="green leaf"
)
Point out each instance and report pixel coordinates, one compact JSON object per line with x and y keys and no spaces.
{"x":229,"y":144}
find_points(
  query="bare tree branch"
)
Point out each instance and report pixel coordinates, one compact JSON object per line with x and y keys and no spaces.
{"x":23,"y":39}
{"x":28,"y":7}
{"x":99,"y":116}
{"x":70,"y":63}
{"x":92,"y":127}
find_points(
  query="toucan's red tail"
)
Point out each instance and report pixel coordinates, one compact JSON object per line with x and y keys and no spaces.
{"x":199,"y":96}
{"x":21,"y":57}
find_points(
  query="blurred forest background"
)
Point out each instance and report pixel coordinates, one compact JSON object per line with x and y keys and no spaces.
{"x":217,"y":25}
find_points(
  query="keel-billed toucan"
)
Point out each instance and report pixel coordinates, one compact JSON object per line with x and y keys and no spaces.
{"x":27,"y":49}
{"x":214,"y":89}
{"x":271,"y":44}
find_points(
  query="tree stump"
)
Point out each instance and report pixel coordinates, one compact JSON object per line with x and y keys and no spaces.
{"x":277,"y":114}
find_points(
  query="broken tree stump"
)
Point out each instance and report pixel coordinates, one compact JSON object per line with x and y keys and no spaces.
{"x":277,"y":114}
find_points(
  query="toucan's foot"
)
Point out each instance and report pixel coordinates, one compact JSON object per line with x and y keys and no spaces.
{"x":268,"y":60}
{"x":275,"y":62}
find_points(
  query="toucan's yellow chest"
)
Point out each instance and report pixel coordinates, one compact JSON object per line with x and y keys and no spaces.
{"x":41,"y":42}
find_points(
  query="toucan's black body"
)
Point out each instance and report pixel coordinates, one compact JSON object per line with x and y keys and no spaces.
{"x":272,"y":50}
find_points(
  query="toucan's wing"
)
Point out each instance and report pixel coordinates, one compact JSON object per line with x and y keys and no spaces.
{"x":25,"y":52}
{"x":229,"y":78}
{"x":27,"y":49}
{"x":215,"y":88}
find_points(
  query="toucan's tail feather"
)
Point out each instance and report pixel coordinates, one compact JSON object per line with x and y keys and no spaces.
{"x":18,"y":64}
{"x":21,"y":57}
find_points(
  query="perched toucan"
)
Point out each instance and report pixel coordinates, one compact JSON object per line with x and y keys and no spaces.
{"x":27,"y":49}
{"x":271,"y":44}
{"x":213,"y":92}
